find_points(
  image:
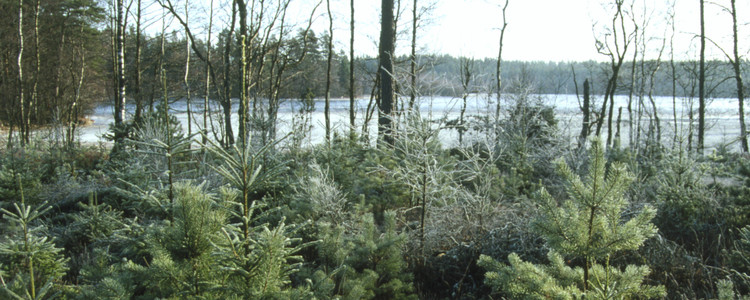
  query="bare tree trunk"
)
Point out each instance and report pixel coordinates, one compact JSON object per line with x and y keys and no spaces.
{"x":34,"y":102}
{"x":120,"y":82}
{"x":327,"y":108}
{"x":702,"y":84}
{"x":617,"y":133}
{"x":351,"y":72}
{"x":137,"y":88}
{"x":187,"y":74}
{"x":652,"y":78}
{"x":207,"y":92}
{"x":73,"y":110}
{"x":244,"y":74}
{"x":498,"y":67}
{"x":21,"y":101}
{"x":674,"y":75}
{"x":227,"y":101}
{"x":466,"y":66}
{"x":616,"y":52}
{"x":634,"y":63}
{"x":413,"y":57}
{"x":370,"y":110}
{"x":586,"y":110}
{"x":738,"y":78}
{"x":385,"y":125}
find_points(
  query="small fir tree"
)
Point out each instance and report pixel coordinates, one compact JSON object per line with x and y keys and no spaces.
{"x":588,"y":226}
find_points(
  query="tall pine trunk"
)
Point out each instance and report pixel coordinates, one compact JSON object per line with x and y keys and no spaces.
{"x":385,"y":122}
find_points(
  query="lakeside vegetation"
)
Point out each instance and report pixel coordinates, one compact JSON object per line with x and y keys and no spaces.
{"x":514,"y":209}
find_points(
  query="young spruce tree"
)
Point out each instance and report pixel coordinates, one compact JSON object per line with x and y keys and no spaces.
{"x":589,"y":226}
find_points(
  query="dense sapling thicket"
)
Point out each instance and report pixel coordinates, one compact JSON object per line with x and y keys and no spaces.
{"x":164,"y":217}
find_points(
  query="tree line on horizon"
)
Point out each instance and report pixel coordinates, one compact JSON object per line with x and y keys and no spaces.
{"x":70,"y":59}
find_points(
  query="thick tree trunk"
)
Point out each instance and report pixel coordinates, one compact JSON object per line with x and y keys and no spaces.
{"x":385,"y":125}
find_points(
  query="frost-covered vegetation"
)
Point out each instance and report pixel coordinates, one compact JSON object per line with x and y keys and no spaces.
{"x":162,"y":217}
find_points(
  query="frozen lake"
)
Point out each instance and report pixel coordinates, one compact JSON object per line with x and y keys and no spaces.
{"x":722,"y":116}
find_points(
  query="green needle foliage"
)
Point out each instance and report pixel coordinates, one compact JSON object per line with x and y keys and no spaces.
{"x":364,"y":262}
{"x":588,"y":226}
{"x":243,"y":168}
{"x":28,"y":257}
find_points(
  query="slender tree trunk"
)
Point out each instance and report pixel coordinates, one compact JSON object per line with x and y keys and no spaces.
{"x":631,"y":132}
{"x":738,"y":79}
{"x":73,"y":110}
{"x":351,"y":72}
{"x":137,"y":87}
{"x":617,"y":133}
{"x":674,"y":78}
{"x":244,"y":98}
{"x":21,"y":100}
{"x":413,"y":57}
{"x":244,"y":74}
{"x":207,"y":92}
{"x":467,"y":70}
{"x":585,"y":126}
{"x":187,"y":74}
{"x":34,"y":102}
{"x":227,"y":101}
{"x":498,"y":66}
{"x":327,"y":108}
{"x":385,"y":125}
{"x":120,"y":82}
{"x":702,"y":84}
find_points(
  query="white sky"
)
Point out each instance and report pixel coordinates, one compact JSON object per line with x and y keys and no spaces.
{"x":538,"y":30}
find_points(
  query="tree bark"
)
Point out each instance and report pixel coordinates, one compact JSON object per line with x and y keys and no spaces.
{"x":120,"y":82}
{"x":702,"y":83}
{"x":327,"y":107}
{"x":351,"y":72}
{"x":738,"y":79}
{"x":187,"y":74}
{"x":244,"y":74}
{"x":498,"y":66}
{"x":137,"y":87}
{"x":226,"y":104}
{"x":586,"y":110}
{"x":385,"y":125}
{"x":21,"y":100}
{"x":207,"y":92}
{"x":413,"y":57}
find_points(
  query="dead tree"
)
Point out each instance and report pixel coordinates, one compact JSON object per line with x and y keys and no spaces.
{"x":614,"y":45}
